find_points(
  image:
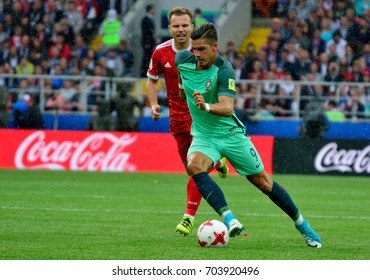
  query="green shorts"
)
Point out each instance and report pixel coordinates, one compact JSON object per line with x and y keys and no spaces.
{"x":237,"y":148}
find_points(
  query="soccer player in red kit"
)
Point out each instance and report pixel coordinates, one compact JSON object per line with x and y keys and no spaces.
{"x":163,"y":63}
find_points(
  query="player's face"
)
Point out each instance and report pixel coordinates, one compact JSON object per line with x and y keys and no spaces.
{"x":204,"y":52}
{"x":180,"y":27}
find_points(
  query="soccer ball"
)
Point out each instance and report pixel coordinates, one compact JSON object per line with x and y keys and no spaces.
{"x":213,"y":233}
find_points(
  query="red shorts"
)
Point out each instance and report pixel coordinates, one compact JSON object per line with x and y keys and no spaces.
{"x":183,"y":141}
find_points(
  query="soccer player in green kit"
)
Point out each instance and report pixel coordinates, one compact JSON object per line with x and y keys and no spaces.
{"x":207,"y":83}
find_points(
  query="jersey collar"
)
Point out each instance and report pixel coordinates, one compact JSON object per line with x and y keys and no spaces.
{"x":174,"y":48}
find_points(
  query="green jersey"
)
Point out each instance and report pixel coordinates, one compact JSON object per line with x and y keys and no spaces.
{"x":218,"y":80}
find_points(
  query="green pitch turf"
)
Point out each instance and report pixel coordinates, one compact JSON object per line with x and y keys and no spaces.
{"x":52,"y":215}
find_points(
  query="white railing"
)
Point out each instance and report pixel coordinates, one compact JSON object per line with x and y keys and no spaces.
{"x":136,"y":87}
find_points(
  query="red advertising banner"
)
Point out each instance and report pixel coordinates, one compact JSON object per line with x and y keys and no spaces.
{"x":100,"y":151}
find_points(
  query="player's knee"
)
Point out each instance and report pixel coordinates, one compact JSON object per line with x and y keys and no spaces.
{"x":194,"y":167}
{"x":262,"y":181}
{"x":265,"y":186}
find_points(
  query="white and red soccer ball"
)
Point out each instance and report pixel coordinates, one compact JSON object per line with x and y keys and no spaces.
{"x":212,"y":233}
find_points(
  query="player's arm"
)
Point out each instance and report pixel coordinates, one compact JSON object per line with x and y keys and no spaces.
{"x":152,"y":92}
{"x":181,"y":90}
{"x":224,"y":107}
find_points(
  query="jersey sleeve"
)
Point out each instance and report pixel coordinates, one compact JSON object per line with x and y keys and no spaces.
{"x":226,"y":81}
{"x":155,"y":67}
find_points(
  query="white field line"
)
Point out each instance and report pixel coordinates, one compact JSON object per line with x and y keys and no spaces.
{"x":15,"y":208}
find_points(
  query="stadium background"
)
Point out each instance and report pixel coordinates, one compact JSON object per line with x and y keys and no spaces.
{"x":239,"y":22}
{"x":51,"y":215}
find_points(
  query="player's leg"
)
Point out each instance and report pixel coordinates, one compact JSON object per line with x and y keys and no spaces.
{"x":193,"y":198}
{"x":201,"y":157}
{"x":282,"y":199}
{"x":249,"y":163}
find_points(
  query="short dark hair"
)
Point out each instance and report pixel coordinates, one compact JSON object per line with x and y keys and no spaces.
{"x":205,"y":31}
{"x":179,"y":11}
{"x":149,"y":7}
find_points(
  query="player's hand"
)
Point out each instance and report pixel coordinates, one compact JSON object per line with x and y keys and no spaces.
{"x":199,"y":100}
{"x":155,"y":112}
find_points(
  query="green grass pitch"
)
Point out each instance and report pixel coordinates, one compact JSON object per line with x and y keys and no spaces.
{"x":54,"y":215}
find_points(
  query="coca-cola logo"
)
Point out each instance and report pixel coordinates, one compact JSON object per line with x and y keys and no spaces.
{"x":98,"y":152}
{"x":329,"y":158}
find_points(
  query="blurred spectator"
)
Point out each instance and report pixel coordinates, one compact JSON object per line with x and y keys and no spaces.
{"x":59,"y":49}
{"x":250,"y":95}
{"x":55,"y":101}
{"x":4,"y":102}
{"x":25,"y":67}
{"x":26,"y":26}
{"x":148,"y":37}
{"x":24,"y":48}
{"x":302,"y":64}
{"x":355,"y":107}
{"x":242,"y":102}
{"x":231,"y":53}
{"x":66,"y":29}
{"x":68,"y":91}
{"x":317,"y":45}
{"x":16,"y":13}
{"x":127,"y":56}
{"x":257,"y":73}
{"x":332,"y":75}
{"x":340,"y":7}
{"x":124,"y":105}
{"x":303,"y":8}
{"x":4,"y":36}
{"x":333,"y":113}
{"x":265,"y":8}
{"x":272,"y":51}
{"x":358,"y":74}
{"x":323,"y":64}
{"x":37,"y":12}
{"x":315,"y":124}
{"x":79,"y":49}
{"x":55,"y":11}
{"x":270,"y":87}
{"x":310,"y":91}
{"x":47,"y":30}
{"x":97,"y":85}
{"x":33,"y":119}
{"x":57,"y":81}
{"x":314,"y":70}
{"x":276,"y":25}
{"x":20,"y":110}
{"x":110,"y":30}
{"x":358,"y":34}
{"x":25,"y":88}
{"x":102,"y":119}
{"x":16,"y":38}
{"x":240,"y":71}
{"x":339,"y":43}
{"x":114,"y":64}
{"x":250,"y":56}
{"x":262,"y":57}
{"x":282,"y":8}
{"x":344,"y":25}
{"x":326,"y":33}
{"x":263,"y":111}
{"x":198,"y":17}
{"x":74,"y":17}
{"x":287,"y":86}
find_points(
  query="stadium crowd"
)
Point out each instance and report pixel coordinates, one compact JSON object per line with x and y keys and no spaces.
{"x":315,"y":41}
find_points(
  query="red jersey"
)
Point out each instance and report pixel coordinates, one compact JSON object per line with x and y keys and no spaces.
{"x":163,"y":63}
